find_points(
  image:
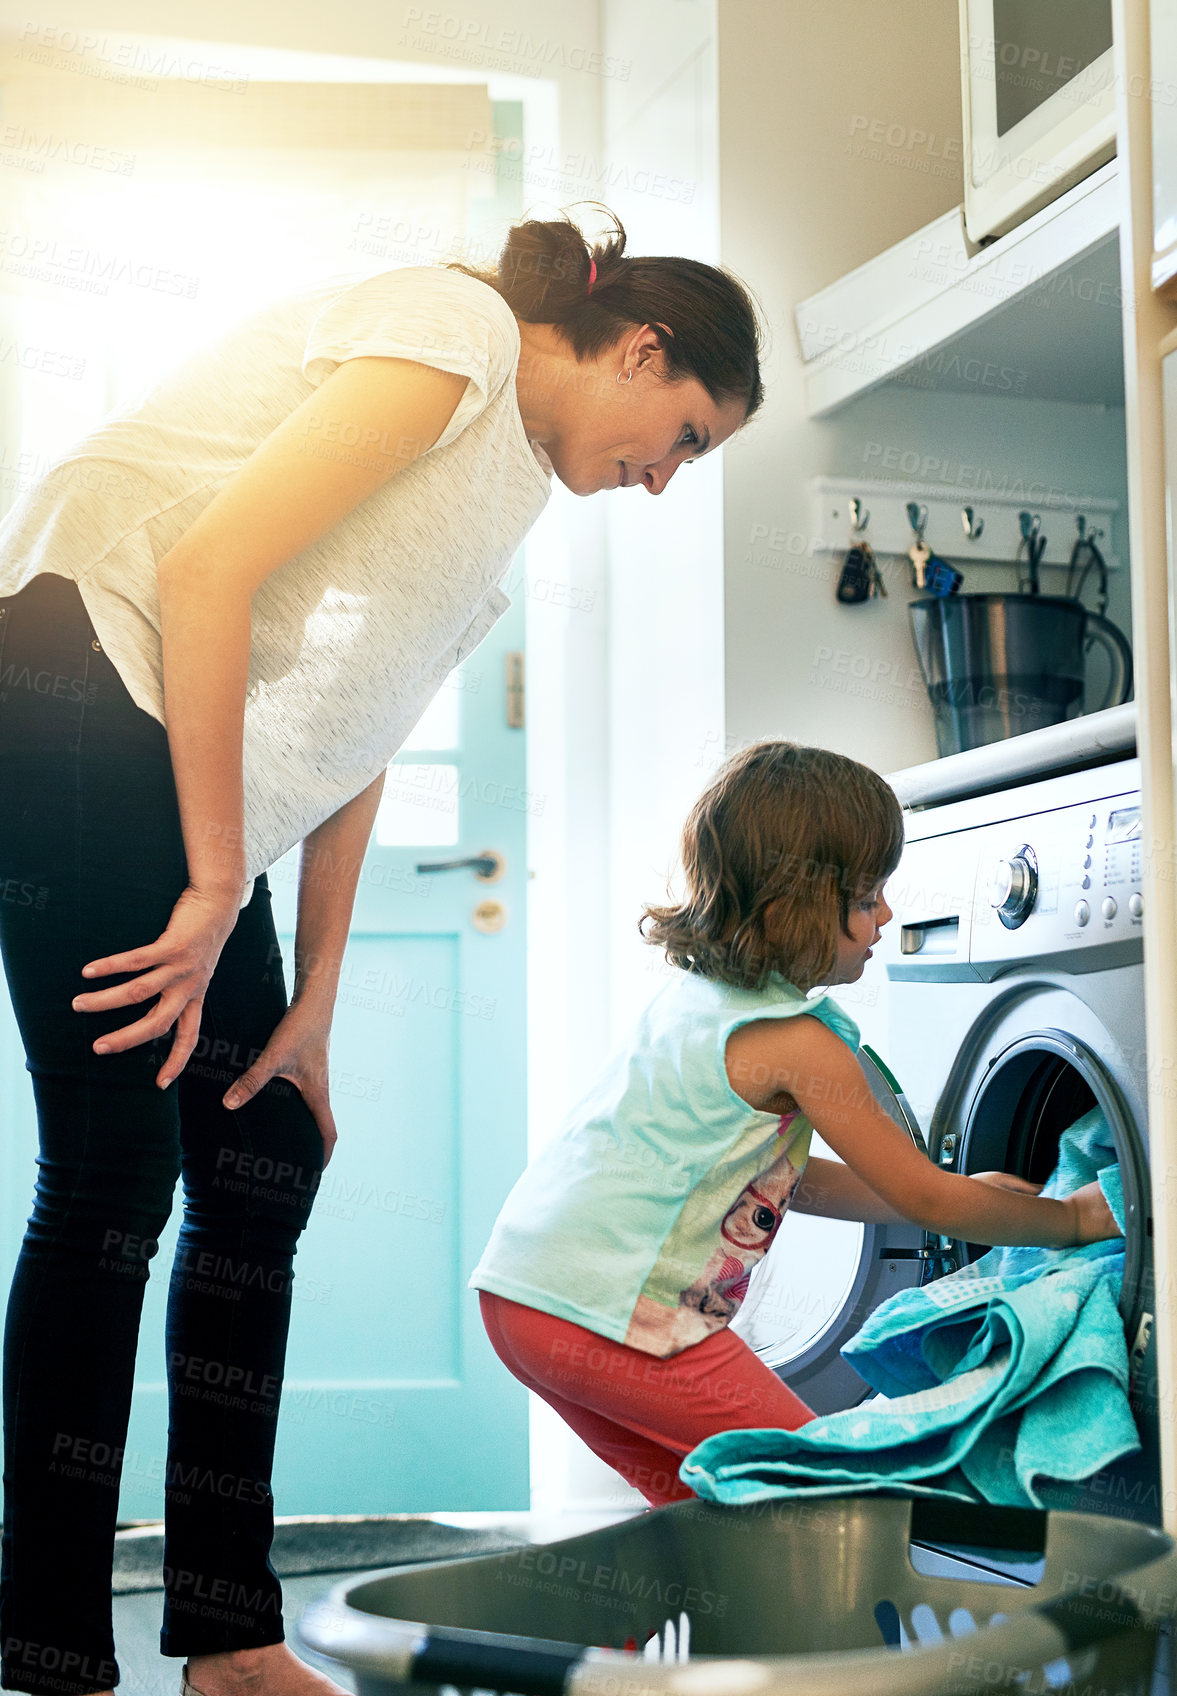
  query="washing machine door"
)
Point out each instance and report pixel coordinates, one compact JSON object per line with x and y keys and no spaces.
{"x":822,"y":1278}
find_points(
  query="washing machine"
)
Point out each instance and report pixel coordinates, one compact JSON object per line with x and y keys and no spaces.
{"x":1005,"y":1001}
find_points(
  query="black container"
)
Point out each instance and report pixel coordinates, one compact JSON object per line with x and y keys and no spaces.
{"x":999,"y":665}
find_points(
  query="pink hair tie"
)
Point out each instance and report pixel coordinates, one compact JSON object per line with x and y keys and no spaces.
{"x":592,"y":275}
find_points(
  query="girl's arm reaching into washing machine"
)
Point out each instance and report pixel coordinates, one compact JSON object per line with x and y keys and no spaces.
{"x":888,"y":1177}
{"x":832,"y":1190}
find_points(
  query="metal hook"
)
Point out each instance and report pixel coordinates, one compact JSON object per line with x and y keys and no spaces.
{"x":1086,"y":536}
{"x":917,"y":517}
{"x":859,"y":516}
{"x":1035,"y":545}
{"x":972,"y":526}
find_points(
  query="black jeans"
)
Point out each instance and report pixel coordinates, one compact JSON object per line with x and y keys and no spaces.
{"x":91,"y":864}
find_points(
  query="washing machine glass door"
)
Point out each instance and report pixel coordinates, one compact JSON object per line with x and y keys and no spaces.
{"x":822,"y":1278}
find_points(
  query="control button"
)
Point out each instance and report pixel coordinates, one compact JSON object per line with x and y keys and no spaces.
{"x":1085,"y":883}
{"x":1136,"y":904}
{"x":1013,"y":887}
{"x":1109,"y":908}
{"x":1082,"y":912}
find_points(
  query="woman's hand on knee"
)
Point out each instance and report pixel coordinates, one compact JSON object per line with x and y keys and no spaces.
{"x":176,"y":968}
{"x":298,"y":1050}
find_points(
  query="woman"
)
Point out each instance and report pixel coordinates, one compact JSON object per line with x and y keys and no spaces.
{"x":292,"y":539}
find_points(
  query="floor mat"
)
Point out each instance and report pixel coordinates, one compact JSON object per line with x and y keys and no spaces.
{"x":330,"y":1544}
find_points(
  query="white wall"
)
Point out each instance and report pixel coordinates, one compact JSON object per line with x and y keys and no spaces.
{"x":840,"y":133}
{"x":665,"y":553}
{"x":662,"y":713}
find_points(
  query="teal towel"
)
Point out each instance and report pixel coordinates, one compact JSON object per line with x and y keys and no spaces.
{"x":995,"y":1380}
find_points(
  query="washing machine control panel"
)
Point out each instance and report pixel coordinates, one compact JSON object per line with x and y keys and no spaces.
{"x":1078,"y":900}
{"x":1060,"y":886}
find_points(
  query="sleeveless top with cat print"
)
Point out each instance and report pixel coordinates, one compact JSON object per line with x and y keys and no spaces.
{"x":644,"y":1218}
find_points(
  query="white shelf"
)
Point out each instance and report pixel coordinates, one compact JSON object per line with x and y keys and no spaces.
{"x":921,"y":310}
{"x":1092,"y":738}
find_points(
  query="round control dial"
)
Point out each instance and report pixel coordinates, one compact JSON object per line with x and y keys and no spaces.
{"x":1013,"y":887}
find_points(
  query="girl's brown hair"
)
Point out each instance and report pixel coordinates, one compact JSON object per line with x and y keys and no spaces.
{"x":543,"y":275}
{"x":774,"y":852}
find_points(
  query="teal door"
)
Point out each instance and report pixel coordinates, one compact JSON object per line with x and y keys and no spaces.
{"x":394,"y":1400}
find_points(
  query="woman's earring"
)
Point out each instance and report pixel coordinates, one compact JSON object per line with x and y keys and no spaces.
{"x":628,"y":375}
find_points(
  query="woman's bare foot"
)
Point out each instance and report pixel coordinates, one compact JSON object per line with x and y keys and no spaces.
{"x":272,"y":1671}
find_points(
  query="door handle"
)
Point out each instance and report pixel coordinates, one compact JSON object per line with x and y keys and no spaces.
{"x":487,"y":866}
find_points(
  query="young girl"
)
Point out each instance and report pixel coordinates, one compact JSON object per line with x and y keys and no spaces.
{"x":626,"y":1247}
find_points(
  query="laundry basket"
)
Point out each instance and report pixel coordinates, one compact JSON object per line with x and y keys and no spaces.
{"x":870,"y":1595}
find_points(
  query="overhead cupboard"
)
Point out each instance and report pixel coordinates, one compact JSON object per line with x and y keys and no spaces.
{"x":1038,"y":104}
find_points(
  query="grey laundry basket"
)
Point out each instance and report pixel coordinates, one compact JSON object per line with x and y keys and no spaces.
{"x":812,"y":1598}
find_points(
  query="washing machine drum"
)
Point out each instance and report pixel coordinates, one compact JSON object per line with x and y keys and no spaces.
{"x":1028,"y":1093}
{"x":1016,"y":1096}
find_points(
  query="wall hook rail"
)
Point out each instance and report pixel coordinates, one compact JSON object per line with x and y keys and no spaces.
{"x":938,"y":511}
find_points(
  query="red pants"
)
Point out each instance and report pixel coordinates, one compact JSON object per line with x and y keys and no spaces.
{"x":640,"y":1412}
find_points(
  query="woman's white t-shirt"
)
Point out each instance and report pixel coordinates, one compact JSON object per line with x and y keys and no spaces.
{"x":352,"y":637}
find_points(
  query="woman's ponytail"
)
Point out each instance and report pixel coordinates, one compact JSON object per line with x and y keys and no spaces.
{"x":544,"y":270}
{"x":544,"y":274}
